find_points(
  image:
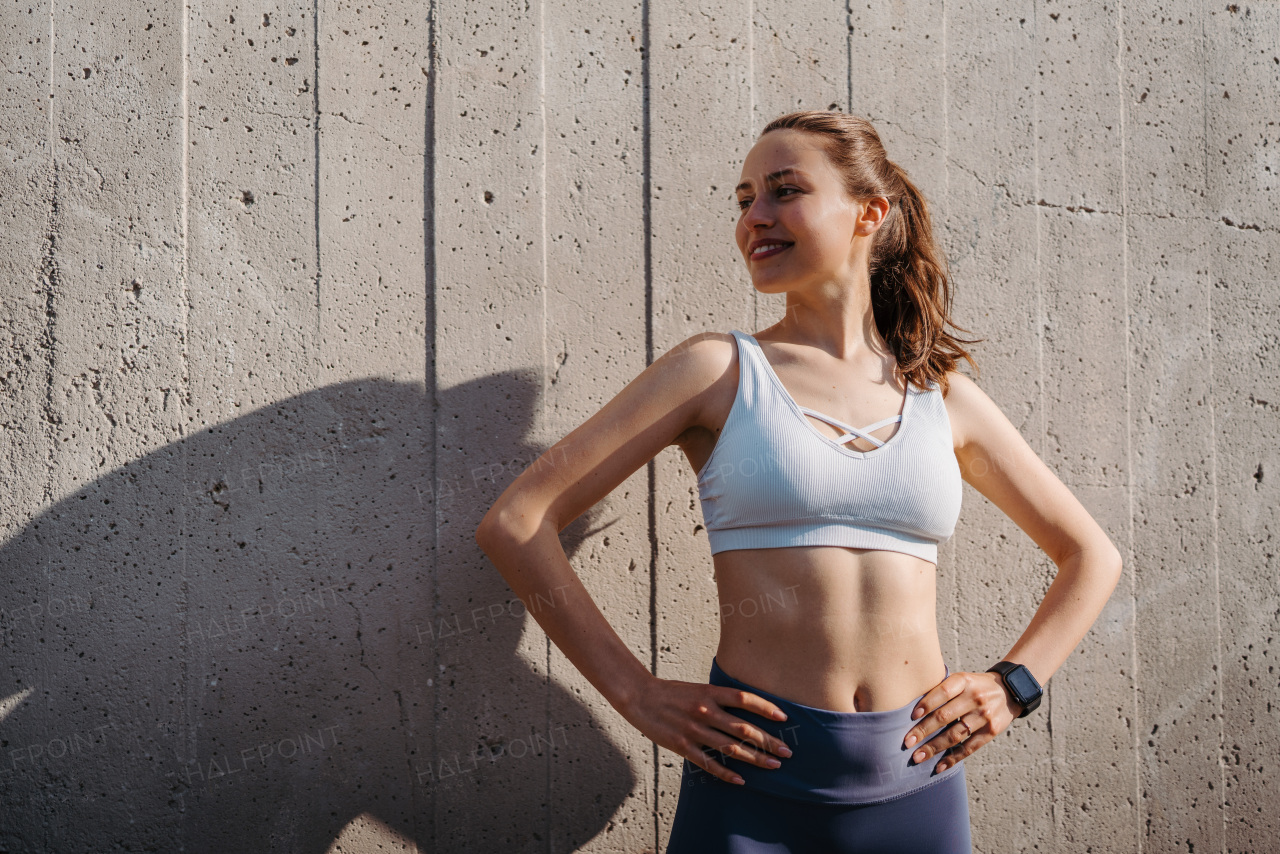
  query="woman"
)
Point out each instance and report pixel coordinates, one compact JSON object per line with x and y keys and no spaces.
{"x":830,"y":722}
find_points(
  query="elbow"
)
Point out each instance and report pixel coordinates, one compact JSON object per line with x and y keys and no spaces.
{"x":1112,"y":556}
{"x":1100,"y":561}
{"x":500,"y":523}
{"x":1114,"y":563}
{"x":487,"y":531}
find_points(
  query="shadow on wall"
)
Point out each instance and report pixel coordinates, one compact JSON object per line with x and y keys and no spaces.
{"x":232,"y":645}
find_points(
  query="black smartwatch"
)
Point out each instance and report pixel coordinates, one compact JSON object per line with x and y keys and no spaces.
{"x":1022,"y":685}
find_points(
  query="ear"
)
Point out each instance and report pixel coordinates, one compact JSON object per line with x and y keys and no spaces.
{"x":871,"y":214}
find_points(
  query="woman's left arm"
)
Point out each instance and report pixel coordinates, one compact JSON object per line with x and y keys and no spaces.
{"x":998,"y":462}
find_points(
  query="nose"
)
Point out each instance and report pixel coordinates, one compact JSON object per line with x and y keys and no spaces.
{"x":759,"y":213}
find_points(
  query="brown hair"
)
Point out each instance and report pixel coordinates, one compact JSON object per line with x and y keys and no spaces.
{"x":910,"y":291}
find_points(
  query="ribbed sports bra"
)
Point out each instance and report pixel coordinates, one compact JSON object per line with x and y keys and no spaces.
{"x":773,"y":480}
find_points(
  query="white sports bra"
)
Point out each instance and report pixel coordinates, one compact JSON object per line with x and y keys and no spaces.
{"x":773,"y":480}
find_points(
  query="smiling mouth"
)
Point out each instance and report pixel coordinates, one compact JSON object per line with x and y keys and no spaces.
{"x":769,"y":250}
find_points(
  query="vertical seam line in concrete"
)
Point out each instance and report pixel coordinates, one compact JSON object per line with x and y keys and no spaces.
{"x":1213,"y":457}
{"x":651,"y":472}
{"x":751,"y":122}
{"x":1041,"y":322}
{"x":1217,"y":588}
{"x":1128,"y":430}
{"x":946,"y":198}
{"x":50,"y":281}
{"x":184,"y":406}
{"x":1035,"y":178}
{"x":315,"y":107}
{"x":650,"y":467}
{"x":946,"y":119}
{"x":751,"y":66}
{"x":848,"y":53}
{"x":50,"y":275}
{"x":542,"y":194}
{"x":429,"y":373}
{"x":185,"y":219}
{"x":185,"y":284}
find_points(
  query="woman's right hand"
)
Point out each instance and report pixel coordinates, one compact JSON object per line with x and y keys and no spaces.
{"x":685,"y":717}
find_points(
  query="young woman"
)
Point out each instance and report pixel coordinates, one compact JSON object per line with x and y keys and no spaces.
{"x":830,"y":722}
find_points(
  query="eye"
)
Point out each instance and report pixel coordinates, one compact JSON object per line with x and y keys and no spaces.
{"x":745,"y":203}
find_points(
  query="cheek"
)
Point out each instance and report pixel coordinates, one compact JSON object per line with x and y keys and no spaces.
{"x":828,"y":233}
{"x":822,"y":244}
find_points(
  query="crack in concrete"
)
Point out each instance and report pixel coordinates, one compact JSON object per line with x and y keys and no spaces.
{"x":1224,"y":220}
{"x":403,"y":716}
{"x":296,"y":116}
{"x":953,"y":162}
{"x":384,"y":137}
{"x":927,"y":139}
{"x":1086,"y":209}
{"x":1247,"y":226}
{"x":1076,"y":208}
{"x":808,"y":62}
{"x":360,"y":642}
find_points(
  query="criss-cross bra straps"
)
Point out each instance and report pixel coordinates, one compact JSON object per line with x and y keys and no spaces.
{"x":853,"y":431}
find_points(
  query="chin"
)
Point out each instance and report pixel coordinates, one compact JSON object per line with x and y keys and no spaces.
{"x":773,"y":288}
{"x":775,"y":283}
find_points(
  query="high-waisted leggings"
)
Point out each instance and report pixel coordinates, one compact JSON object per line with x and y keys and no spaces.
{"x":849,"y":786}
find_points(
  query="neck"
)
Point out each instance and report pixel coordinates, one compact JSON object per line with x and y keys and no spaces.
{"x":839,"y":321}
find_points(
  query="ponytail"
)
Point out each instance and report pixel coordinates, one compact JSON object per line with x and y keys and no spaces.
{"x":910,"y":285}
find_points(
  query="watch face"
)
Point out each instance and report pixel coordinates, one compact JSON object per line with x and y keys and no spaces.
{"x":1023,"y":684}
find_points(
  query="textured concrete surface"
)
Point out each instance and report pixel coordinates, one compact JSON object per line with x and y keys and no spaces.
{"x":291,"y":293}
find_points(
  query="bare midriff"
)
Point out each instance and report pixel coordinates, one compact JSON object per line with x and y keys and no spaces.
{"x":848,"y":630}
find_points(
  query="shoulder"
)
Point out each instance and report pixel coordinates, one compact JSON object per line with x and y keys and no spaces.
{"x":702,"y":372}
{"x":968,"y":408}
{"x":701,"y":359}
{"x":996,"y":460}
{"x":647,"y":415}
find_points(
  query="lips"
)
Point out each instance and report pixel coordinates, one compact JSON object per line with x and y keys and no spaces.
{"x":774,"y":248}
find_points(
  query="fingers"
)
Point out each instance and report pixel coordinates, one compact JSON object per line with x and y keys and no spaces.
{"x":721,"y":734}
{"x":715,"y":716}
{"x":699,"y":757}
{"x":939,"y":695}
{"x":725,"y":729}
{"x":964,"y":727}
{"x":705,"y":745}
{"x":951,"y":702}
{"x":751,"y":702}
{"x":977,"y":713}
{"x":731,"y":747}
{"x":966,"y":748}
{"x":750,"y":736}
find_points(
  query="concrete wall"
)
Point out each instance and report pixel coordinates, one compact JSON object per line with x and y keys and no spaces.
{"x":291,"y":293}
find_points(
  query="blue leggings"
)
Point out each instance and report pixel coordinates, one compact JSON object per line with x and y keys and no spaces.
{"x":848,"y":787}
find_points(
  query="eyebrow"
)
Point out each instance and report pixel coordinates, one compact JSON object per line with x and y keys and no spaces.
{"x":771,"y":178}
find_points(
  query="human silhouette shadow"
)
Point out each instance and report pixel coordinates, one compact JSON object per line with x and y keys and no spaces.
{"x":245,"y":639}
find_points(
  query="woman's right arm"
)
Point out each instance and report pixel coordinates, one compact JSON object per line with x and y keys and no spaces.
{"x":521,"y":535}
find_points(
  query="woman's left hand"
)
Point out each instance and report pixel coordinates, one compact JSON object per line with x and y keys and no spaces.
{"x":973,"y":707}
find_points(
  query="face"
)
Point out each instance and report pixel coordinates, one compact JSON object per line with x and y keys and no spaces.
{"x":792,"y":201}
